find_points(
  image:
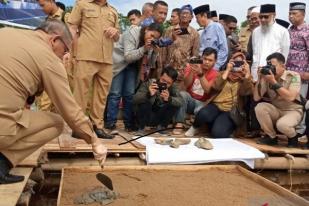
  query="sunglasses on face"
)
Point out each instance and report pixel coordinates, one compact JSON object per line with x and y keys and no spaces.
{"x":264,"y":16}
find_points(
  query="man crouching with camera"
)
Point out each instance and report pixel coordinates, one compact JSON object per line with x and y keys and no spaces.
{"x":157,"y":101}
{"x":282,"y":112}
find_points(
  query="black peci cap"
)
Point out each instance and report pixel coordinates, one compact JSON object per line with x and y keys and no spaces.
{"x":297,"y":6}
{"x":268,"y":8}
{"x":223,"y":16}
{"x":213,"y":14}
{"x":201,"y":9}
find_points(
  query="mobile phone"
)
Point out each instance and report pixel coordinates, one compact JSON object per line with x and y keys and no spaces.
{"x":196,"y":61}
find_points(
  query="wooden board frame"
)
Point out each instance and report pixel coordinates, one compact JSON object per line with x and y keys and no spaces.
{"x":256,"y":178}
{"x":10,"y":193}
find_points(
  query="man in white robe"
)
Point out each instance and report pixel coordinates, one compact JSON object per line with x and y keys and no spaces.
{"x":268,"y":38}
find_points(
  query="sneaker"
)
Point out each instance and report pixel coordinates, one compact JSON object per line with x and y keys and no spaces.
{"x":191,"y":132}
{"x":267,"y":140}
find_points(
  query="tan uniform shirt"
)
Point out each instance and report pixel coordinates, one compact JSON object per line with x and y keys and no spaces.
{"x":289,"y":80}
{"x":179,"y":53}
{"x":92,"y":20}
{"x":57,"y":15}
{"x":28,"y":66}
{"x":244,"y":36}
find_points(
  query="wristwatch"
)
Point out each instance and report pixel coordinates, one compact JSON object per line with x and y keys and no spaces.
{"x":275,"y":86}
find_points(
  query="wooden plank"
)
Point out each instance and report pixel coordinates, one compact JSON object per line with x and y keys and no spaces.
{"x":281,"y":149}
{"x":9,"y":194}
{"x":127,"y":137}
{"x":280,"y":192}
{"x":70,"y":144}
{"x":32,"y":160}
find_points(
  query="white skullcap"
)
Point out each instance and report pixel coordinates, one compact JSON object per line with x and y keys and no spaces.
{"x":256,"y":9}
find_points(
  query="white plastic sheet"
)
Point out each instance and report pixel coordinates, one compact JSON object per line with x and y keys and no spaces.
{"x":224,"y":150}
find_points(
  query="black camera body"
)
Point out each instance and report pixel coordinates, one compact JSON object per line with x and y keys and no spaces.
{"x":161,"y":86}
{"x":265,"y":70}
{"x":155,"y":42}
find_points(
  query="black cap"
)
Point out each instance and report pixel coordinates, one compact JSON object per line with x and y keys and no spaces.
{"x":213,"y":14}
{"x":297,"y":6}
{"x":201,"y":9}
{"x":223,"y":16}
{"x":268,"y":8}
{"x":283,"y":23}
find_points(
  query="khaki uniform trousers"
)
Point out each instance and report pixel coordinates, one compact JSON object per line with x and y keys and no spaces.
{"x":98,"y":77}
{"x":43,"y":127}
{"x":286,"y":121}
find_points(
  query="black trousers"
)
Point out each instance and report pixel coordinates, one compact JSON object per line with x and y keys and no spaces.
{"x":152,"y":115}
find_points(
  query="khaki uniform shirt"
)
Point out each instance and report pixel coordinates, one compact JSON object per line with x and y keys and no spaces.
{"x":27,"y":67}
{"x":185,"y":47}
{"x":92,"y":20}
{"x":244,"y":36}
{"x":57,"y":15}
{"x":289,"y":80}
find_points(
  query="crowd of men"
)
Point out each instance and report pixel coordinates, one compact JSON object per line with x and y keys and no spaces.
{"x":85,"y":68}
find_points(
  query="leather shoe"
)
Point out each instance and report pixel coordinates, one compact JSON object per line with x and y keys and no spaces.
{"x":293,"y":142}
{"x":9,"y":179}
{"x":267,"y":140}
{"x":101,"y":134}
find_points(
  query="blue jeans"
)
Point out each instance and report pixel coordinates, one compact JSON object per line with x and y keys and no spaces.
{"x":123,"y":86}
{"x":190,"y":106}
{"x":219,"y":122}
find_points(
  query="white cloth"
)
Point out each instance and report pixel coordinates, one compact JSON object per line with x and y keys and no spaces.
{"x":264,"y":43}
{"x":224,"y":150}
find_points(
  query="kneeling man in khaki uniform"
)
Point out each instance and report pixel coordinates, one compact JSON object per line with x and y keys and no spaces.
{"x":30,"y":62}
{"x":283,"y":110}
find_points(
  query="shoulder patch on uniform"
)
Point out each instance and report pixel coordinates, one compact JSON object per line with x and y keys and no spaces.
{"x":295,"y":79}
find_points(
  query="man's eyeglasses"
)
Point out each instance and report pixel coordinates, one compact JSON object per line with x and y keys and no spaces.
{"x":232,"y":28}
{"x":66,"y":48}
{"x":264,"y":16}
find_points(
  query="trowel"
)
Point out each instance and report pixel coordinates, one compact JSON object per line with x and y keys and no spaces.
{"x":105,"y":180}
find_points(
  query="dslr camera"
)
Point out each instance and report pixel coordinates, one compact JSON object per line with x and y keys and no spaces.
{"x":237,"y":66}
{"x":161,"y":86}
{"x":265,"y":70}
{"x":155,"y":42}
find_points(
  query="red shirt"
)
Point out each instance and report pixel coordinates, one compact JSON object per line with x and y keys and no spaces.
{"x":195,"y":89}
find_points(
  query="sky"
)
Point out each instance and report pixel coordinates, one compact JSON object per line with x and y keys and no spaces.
{"x":237,"y":8}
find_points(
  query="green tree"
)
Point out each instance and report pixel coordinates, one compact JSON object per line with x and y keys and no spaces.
{"x":244,"y":24}
{"x":124,"y":22}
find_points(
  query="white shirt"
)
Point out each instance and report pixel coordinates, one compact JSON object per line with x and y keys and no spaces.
{"x":264,"y":43}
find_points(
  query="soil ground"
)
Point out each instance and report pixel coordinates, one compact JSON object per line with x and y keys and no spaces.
{"x":138,"y":188}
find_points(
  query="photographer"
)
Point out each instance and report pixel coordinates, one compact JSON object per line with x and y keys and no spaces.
{"x":283,"y":112}
{"x":128,"y":50}
{"x":185,"y":44}
{"x":157,"y":101}
{"x":199,"y":75}
{"x":225,"y":93}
